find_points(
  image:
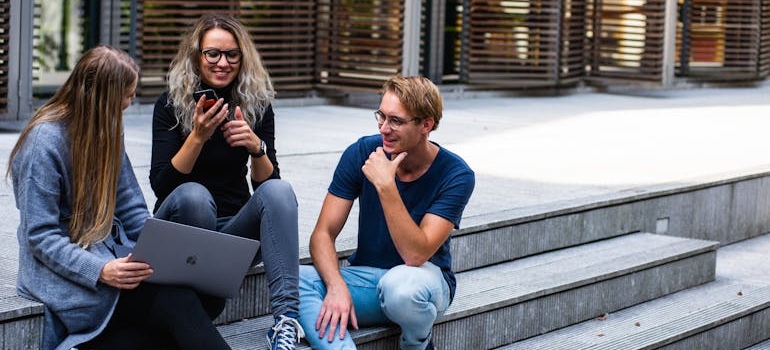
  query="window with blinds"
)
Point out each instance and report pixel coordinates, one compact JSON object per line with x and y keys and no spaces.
{"x":359,"y":43}
{"x":283,"y":31}
{"x":572,"y":41}
{"x":764,"y":40}
{"x":625,"y":39}
{"x":354,"y":45}
{"x":525,"y":43}
{"x":720,"y":39}
{"x":285,"y":35}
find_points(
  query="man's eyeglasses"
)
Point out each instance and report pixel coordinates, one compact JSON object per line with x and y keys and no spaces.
{"x":213,"y":55}
{"x":394,"y":123}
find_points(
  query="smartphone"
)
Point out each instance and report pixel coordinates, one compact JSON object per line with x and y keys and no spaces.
{"x":211,"y":97}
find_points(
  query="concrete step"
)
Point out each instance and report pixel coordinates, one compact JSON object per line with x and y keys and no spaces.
{"x":511,"y":301}
{"x":472,"y":247}
{"x":21,"y":320}
{"x":765,"y":345}
{"x":719,"y":315}
{"x":729,"y":313}
{"x":478,"y":245}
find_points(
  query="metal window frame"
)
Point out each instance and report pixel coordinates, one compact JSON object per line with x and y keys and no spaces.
{"x":20,"y":61}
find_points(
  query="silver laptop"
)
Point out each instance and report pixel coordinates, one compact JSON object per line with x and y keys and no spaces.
{"x":210,"y":262}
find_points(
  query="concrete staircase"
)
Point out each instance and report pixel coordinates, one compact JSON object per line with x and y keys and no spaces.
{"x":580,"y":275}
{"x":576,"y":276}
{"x":713,"y":316}
{"x":732,"y":312}
{"x":510,"y":301}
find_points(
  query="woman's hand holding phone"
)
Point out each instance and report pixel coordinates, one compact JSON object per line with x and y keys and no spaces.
{"x":206,"y":120}
{"x":210,"y":94}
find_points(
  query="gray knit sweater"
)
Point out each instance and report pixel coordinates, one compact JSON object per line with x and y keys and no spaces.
{"x":52,"y":270}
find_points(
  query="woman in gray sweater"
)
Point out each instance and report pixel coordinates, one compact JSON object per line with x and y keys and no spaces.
{"x":80,"y":204}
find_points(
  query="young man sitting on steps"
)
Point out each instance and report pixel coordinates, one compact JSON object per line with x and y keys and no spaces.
{"x":411,"y":194}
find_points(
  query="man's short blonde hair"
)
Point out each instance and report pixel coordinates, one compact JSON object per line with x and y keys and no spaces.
{"x":418,"y":95}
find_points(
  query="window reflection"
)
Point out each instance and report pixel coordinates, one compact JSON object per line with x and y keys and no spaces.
{"x":58,"y":42}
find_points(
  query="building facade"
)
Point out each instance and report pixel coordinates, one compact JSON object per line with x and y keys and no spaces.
{"x":333,"y":47}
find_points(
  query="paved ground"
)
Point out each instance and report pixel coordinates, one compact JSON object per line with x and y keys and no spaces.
{"x":526,"y":151}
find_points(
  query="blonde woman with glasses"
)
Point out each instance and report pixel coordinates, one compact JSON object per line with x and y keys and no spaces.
{"x":80,"y":208}
{"x":207,"y":147}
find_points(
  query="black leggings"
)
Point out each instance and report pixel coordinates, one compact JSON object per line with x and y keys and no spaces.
{"x":154,"y":316}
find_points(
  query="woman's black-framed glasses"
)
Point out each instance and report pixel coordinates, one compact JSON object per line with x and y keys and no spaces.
{"x":394,"y":123}
{"x":213,"y":55}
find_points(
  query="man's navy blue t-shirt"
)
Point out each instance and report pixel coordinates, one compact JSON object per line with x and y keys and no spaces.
{"x":443,"y":190}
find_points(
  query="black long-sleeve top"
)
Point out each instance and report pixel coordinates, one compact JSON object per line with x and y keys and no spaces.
{"x":220,"y":168}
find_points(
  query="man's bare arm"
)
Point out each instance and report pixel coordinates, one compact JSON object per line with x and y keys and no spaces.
{"x":337,"y":308}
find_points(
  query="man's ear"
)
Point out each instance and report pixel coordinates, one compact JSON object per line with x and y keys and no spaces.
{"x":427,"y":124}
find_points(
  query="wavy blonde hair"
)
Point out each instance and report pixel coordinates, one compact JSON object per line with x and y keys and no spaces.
{"x":90,"y":106}
{"x":253,"y":90}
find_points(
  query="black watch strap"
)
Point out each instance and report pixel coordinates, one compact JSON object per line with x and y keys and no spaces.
{"x":262,"y":150}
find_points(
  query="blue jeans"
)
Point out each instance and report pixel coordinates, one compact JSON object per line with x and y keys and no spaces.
{"x":410,"y":297}
{"x":270,"y":216}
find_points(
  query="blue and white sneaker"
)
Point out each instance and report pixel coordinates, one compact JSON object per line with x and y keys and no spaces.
{"x":285,"y":335}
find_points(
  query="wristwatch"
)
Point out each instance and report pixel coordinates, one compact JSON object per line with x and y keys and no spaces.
{"x":262,"y":150}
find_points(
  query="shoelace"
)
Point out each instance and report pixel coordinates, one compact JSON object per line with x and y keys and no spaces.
{"x":286,"y":333}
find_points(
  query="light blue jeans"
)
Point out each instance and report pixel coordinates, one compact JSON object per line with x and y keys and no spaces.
{"x":270,"y":216}
{"x":411,"y":297}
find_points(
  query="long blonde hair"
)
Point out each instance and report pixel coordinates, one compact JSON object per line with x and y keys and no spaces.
{"x":253,"y":90}
{"x":89,"y":104}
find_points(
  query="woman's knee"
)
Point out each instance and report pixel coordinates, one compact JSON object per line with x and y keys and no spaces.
{"x":190,"y":203}
{"x":191,"y":194}
{"x":277,"y":192}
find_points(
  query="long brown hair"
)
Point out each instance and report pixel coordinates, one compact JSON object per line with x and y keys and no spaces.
{"x":89,"y":104}
{"x":253,"y":89}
